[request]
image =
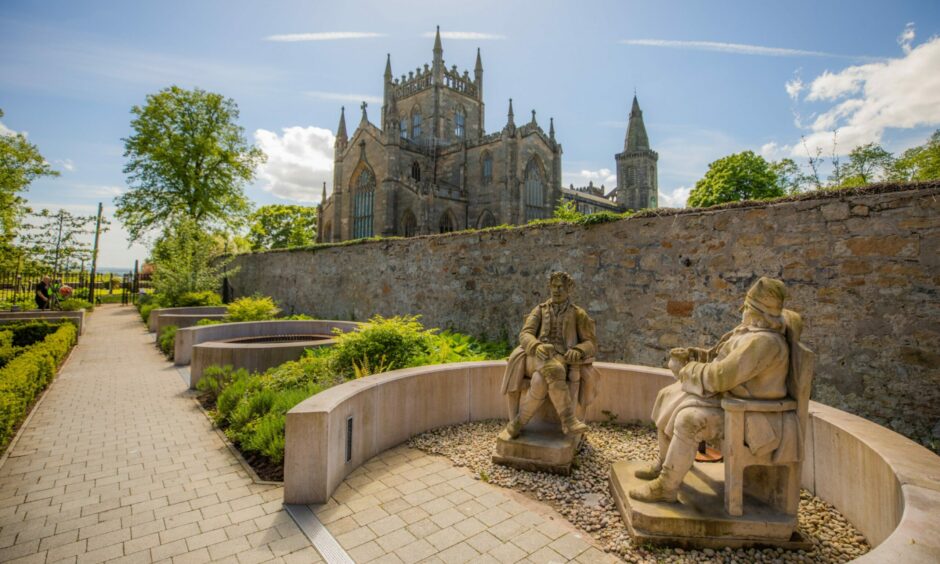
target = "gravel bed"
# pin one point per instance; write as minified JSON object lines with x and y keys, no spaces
{"x":584,"y":497}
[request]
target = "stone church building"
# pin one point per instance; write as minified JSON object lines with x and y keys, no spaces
{"x":430,"y":166}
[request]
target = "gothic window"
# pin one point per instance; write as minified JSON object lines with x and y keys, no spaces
{"x":328,"y":232}
{"x":362,"y":204}
{"x":416,"y":171}
{"x":459,"y":123}
{"x":447,"y":222}
{"x":534,"y":191}
{"x":403,"y":125}
{"x":631,"y":176}
{"x":486,"y":220}
{"x":415,"y":124}
{"x":487,"y":173}
{"x":409,"y":225}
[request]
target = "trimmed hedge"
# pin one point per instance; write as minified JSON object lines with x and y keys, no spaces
{"x":24,"y":377}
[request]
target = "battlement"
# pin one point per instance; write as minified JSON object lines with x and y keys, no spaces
{"x":423,"y":78}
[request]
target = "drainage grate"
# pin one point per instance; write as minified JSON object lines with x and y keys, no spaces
{"x":349,"y":437}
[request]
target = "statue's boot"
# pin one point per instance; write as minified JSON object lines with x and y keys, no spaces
{"x":677,"y":463}
{"x":570,"y":425}
{"x":527,"y":408}
{"x":651,"y":471}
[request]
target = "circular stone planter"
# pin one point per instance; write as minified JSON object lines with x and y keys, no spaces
{"x":254,"y":354}
{"x":885,"y":484}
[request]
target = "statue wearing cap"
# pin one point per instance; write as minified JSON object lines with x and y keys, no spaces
{"x":750,"y":362}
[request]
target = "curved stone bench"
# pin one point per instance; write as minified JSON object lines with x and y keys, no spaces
{"x":186,"y":315}
{"x":885,"y":484}
{"x":187,"y":338}
{"x":76,"y":317}
{"x":253,"y":357}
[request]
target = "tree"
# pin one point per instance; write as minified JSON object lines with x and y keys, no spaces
{"x":188,"y":159}
{"x":186,"y":259}
{"x":20,"y":164}
{"x":867,"y":164}
{"x":741,"y":176}
{"x":789,"y":177}
{"x":919,"y":163}
{"x":282,"y":226}
{"x":58,"y":240}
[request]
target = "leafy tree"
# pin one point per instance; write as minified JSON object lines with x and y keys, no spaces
{"x":282,"y":226}
{"x":58,"y":240}
{"x":789,"y":176}
{"x":741,"y":176}
{"x":187,"y":158}
{"x":20,"y":164}
{"x":186,"y":259}
{"x":867,"y":164}
{"x":919,"y":163}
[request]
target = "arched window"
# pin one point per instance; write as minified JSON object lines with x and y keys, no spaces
{"x":486,"y":220}
{"x":416,"y":171}
{"x":534,"y":191}
{"x":364,"y":187}
{"x":415,"y":124}
{"x":487,"y":173}
{"x":460,"y":119}
{"x":408,"y":225}
{"x":403,"y":125}
{"x":447,"y":223}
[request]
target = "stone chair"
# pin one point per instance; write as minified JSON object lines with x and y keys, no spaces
{"x":775,"y":484}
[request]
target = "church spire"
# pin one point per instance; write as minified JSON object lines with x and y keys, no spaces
{"x":341,"y":137}
{"x":551,"y":128}
{"x":636,"y":139}
{"x":323,"y":196}
{"x":388,"y":67}
{"x":478,"y":75}
{"x":510,"y":120}
{"x":438,"y":63}
{"x":438,"y":49}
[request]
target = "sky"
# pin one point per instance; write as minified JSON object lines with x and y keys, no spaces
{"x":712,"y":78}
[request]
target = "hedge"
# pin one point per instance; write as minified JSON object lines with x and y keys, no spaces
{"x":24,"y":377}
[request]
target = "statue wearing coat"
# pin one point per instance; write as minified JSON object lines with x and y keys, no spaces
{"x":555,"y":355}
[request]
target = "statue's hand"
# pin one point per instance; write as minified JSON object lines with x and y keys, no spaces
{"x":675,"y":365}
{"x":543,"y":352}
{"x":680,"y":354}
{"x":573,"y":356}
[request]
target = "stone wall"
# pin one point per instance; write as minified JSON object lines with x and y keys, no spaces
{"x":862,"y":267}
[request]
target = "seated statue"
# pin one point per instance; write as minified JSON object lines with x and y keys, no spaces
{"x":555,"y":355}
{"x":750,"y":362}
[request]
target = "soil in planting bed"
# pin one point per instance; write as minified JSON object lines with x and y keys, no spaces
{"x":278,"y":339}
{"x":584,"y":497}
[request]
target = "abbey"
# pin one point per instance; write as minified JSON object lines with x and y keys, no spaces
{"x":432,"y":168}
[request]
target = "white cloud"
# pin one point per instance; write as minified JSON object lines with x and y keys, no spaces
{"x":99,"y":191}
{"x":299,"y":162}
{"x":867,"y":99}
{"x":603,"y":176}
{"x":674,"y":199}
{"x":323,"y":36}
{"x":906,"y":39}
{"x":772,"y":151}
{"x":67,"y":164}
{"x":735,"y":48}
{"x":345,"y":97}
{"x":465,"y":35}
{"x":794,"y":87}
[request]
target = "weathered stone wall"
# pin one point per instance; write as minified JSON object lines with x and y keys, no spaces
{"x":863,"y":269}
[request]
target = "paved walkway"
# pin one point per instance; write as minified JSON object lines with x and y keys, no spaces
{"x":118,"y":464}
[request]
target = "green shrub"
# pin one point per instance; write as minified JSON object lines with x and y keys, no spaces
{"x":216,"y":378}
{"x":167,"y":340}
{"x":108,"y":298}
{"x":74,"y":304}
{"x":145,"y":310}
{"x":7,"y":350}
{"x":386,"y":343}
{"x":25,"y":376}
{"x":256,"y":308}
{"x":31,"y":332}
{"x":298,"y":317}
{"x":204,"y":322}
{"x":194,"y":299}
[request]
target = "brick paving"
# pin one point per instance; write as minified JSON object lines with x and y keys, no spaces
{"x":408,"y":506}
{"x":118,"y":464}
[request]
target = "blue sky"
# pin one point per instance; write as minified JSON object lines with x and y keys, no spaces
{"x":712,"y":79}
